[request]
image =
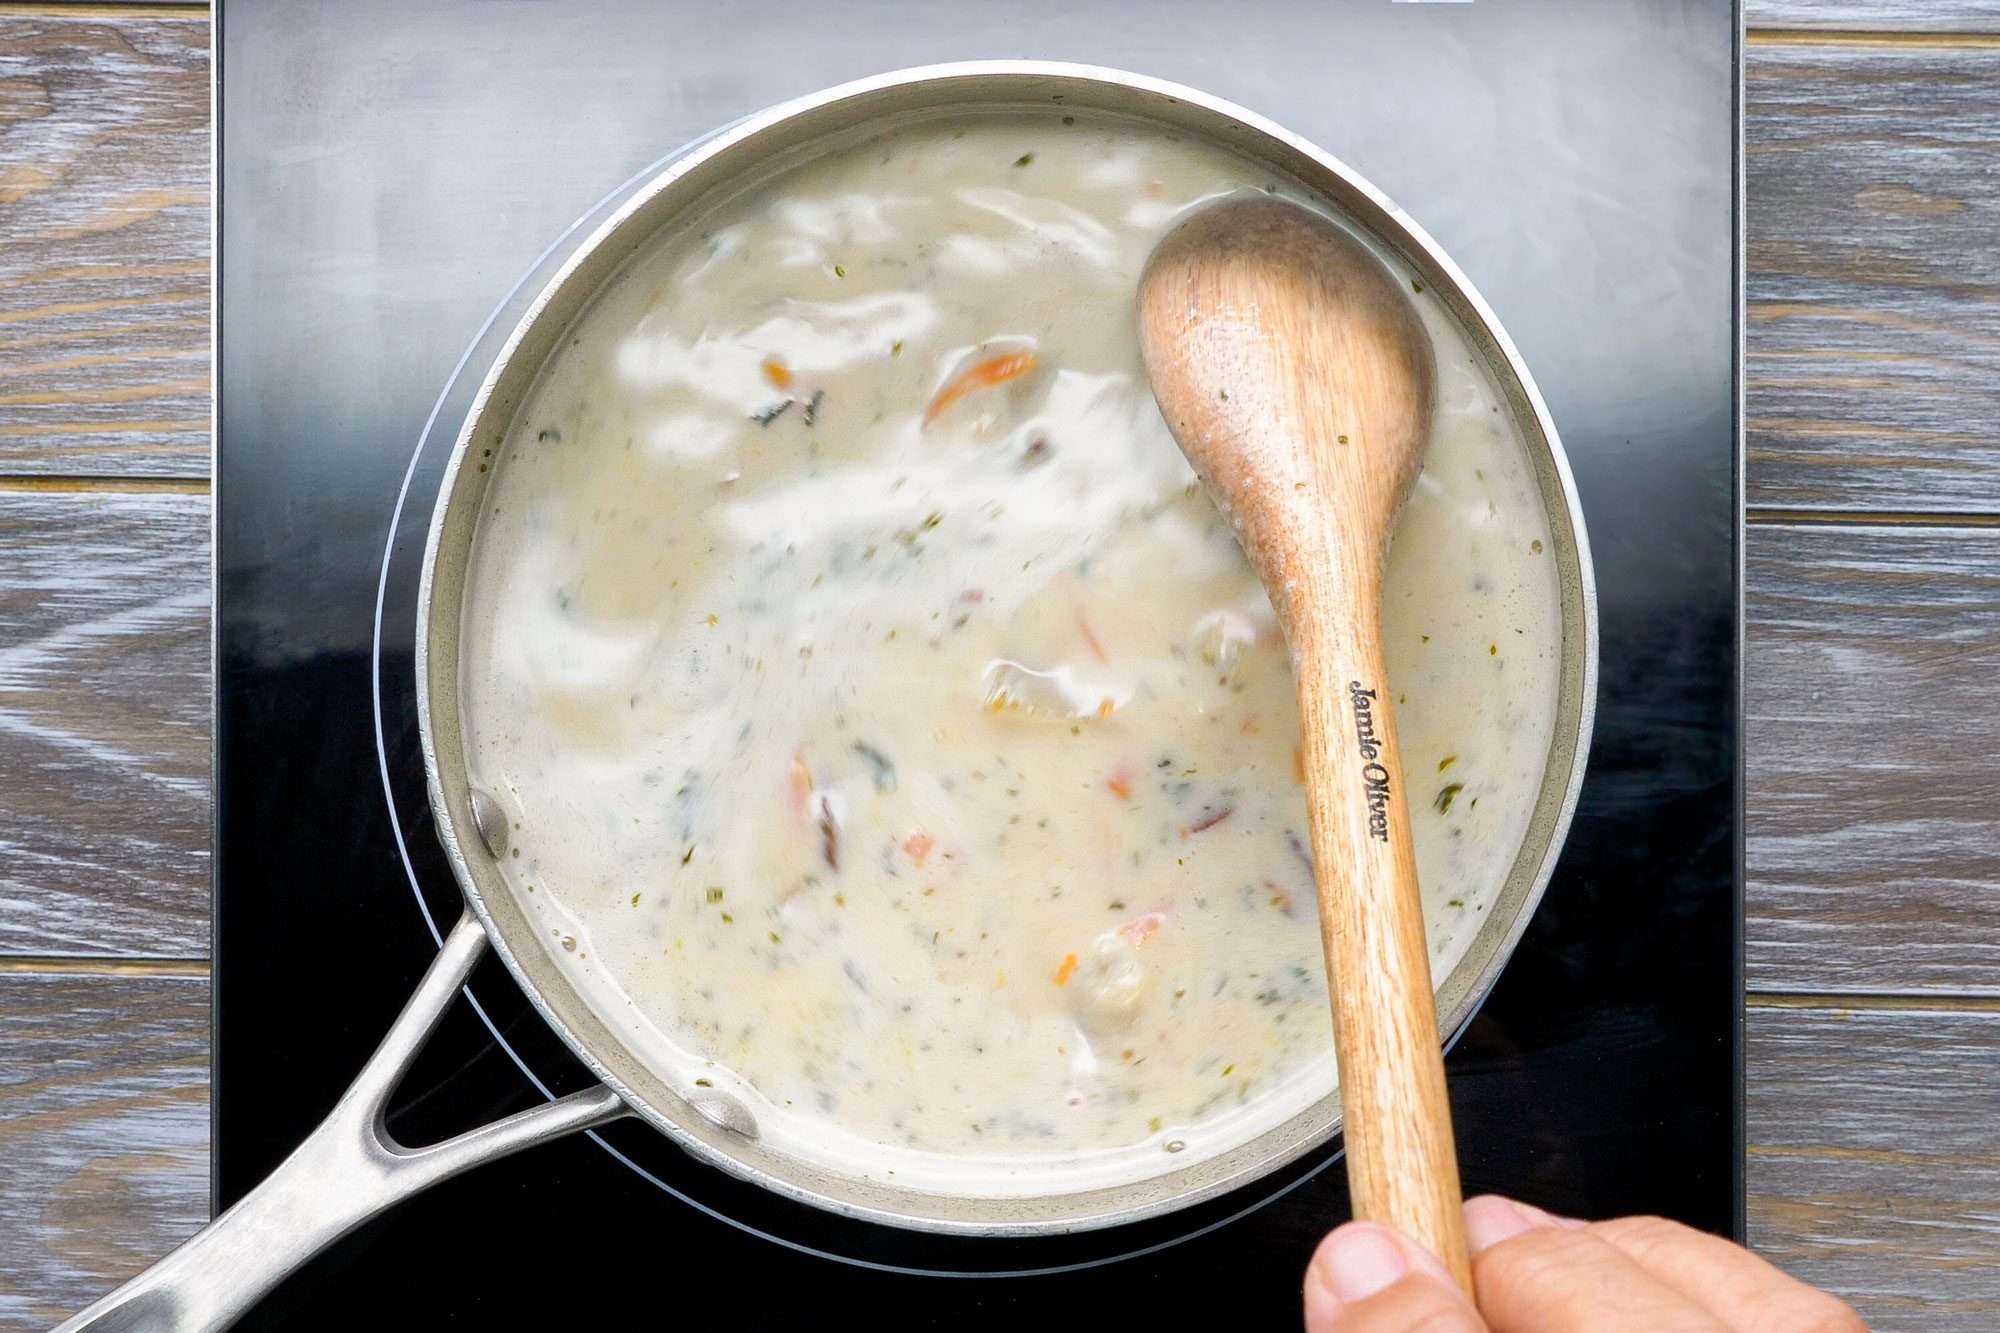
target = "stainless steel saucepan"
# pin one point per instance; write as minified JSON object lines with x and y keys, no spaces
{"x":350,"y":1168}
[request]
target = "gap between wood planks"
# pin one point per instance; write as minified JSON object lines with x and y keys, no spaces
{"x":1968,"y":41}
{"x":164,"y":9}
{"x":1875,"y":1001}
{"x":70,"y":966}
{"x":84,"y":485}
{"x":1764,"y":517}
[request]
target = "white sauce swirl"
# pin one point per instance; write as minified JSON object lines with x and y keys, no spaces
{"x":895,"y":735}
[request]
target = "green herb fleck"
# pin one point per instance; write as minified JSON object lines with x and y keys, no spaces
{"x":635,"y":900}
{"x":703,"y":1083}
{"x":1227,"y":1070}
{"x":715,"y":895}
{"x":1024,"y":159}
{"x":1416,"y":286}
{"x":1493,"y":650}
{"x":1117,"y":904}
{"x":1444,"y":798}
{"x":1454,"y":902}
{"x":1535,"y":546}
{"x":774,"y":938}
{"x":728,"y":920}
{"x":687,"y":856}
{"x":1447,"y":762}
{"x":839,"y":270}
{"x":896,"y":347}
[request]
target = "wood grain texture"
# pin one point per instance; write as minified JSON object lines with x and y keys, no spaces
{"x":104,"y":1133}
{"x":104,"y":243}
{"x":1873,"y":373}
{"x":104,"y":724}
{"x":1872,"y":712}
{"x":1875,"y":15}
{"x":1874,"y":1163}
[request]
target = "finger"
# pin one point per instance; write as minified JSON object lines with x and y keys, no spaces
{"x":1490,"y":1219}
{"x":1368,"y":1278}
{"x":1727,"y":1280}
{"x":1532,"y":1273}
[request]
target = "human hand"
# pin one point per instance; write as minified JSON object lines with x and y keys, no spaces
{"x":1537,"y":1273}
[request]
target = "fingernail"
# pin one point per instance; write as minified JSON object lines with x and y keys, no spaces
{"x":1490,"y":1219}
{"x":1357,"y":1261}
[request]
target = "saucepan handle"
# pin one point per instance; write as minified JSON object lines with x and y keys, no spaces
{"x":347,"y":1171}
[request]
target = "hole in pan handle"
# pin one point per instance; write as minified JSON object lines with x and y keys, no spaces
{"x":347,"y":1170}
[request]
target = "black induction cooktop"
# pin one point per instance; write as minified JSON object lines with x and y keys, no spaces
{"x":389,"y":172}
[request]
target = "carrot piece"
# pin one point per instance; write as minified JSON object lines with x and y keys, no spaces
{"x":1120,"y":780}
{"x":774,"y":371}
{"x":918,"y":846}
{"x":1067,"y":969}
{"x":800,"y":785}
{"x":1142,"y":928}
{"x":1091,"y":640}
{"x":987,"y":374}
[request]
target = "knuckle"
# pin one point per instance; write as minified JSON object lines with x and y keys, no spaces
{"x":1644,"y":1234}
{"x":1641,"y":1226}
{"x":1536,"y":1263}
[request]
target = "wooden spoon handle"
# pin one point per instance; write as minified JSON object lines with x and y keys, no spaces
{"x":1402,"y":1167}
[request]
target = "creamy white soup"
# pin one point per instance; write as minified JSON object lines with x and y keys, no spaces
{"x":892,"y":733}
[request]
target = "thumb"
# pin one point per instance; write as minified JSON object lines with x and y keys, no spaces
{"x":1369,"y":1278}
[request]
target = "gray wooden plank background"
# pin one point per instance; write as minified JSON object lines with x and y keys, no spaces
{"x":1873,"y":286}
{"x":1875,"y":17}
{"x":1873,"y":819}
{"x":104,"y":804}
{"x":1873,"y":1164}
{"x":104,"y":269}
{"x":1871,"y":699}
{"x":104,"y":1130}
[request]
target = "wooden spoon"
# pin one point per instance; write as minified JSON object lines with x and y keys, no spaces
{"x":1298,"y":379}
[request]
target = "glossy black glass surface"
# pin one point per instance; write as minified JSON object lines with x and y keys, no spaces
{"x":388,"y":171}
